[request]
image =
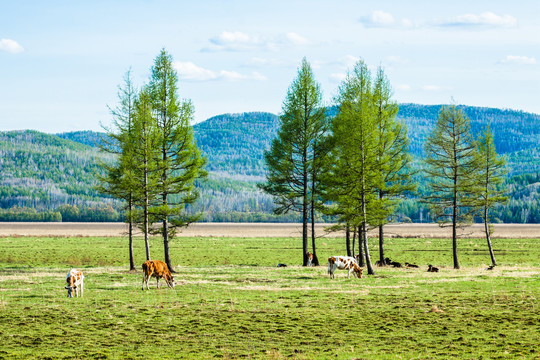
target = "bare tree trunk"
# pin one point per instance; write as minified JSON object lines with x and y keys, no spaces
{"x":348,"y":239}
{"x":360,"y":244}
{"x":315,"y":261}
{"x":366,"y":250}
{"x":130,"y":233}
{"x":354,"y":241}
{"x":305,"y":210}
{"x":146,"y":204}
{"x":454,"y":226}
{"x":381,"y":244}
{"x":488,"y":238}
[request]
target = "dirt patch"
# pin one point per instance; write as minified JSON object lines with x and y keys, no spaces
{"x":219,"y":230}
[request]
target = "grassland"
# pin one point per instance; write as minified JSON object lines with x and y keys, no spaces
{"x":232,"y":302}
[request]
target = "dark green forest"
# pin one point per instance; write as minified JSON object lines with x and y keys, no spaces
{"x":51,"y":177}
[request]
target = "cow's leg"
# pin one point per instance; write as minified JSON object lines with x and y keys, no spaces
{"x":157,"y":281}
{"x":82,"y":289}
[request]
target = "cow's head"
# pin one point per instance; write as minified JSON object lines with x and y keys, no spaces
{"x":358,"y":271}
{"x":170,"y":281}
{"x":70,"y":289}
{"x":309,"y":258}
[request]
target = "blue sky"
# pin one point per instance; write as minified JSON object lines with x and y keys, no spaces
{"x":61,"y":61}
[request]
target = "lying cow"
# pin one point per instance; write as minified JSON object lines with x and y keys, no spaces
{"x":411,"y":266}
{"x":309,"y":259}
{"x":157,"y":269}
{"x":432,"y":268}
{"x":344,"y":263}
{"x":74,"y":283}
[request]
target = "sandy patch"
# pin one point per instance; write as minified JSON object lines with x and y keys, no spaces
{"x":219,"y":230}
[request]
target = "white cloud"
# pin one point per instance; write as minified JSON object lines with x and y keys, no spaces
{"x":381,"y":19}
{"x":10,"y":46}
{"x":519,"y":60}
{"x":486,"y":19}
{"x":296,"y":39}
{"x":234,"y":41}
{"x":190,"y":72}
{"x":240,"y":41}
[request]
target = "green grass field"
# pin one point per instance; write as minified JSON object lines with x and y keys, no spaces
{"x":231,"y":301}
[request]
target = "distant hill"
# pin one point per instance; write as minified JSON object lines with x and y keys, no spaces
{"x":42,"y":171}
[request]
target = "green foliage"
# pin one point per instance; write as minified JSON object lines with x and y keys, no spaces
{"x":451,"y":167}
{"x":297,"y":155}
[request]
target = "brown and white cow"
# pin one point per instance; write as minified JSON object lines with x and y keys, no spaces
{"x":74,"y":283}
{"x":344,"y":263}
{"x":157,"y":269}
{"x":309,"y":259}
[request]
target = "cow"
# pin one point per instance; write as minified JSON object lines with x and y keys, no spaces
{"x":309,"y":259}
{"x":344,"y":263}
{"x":157,"y":269}
{"x":432,"y":268}
{"x":74,"y":283}
{"x":411,"y":265}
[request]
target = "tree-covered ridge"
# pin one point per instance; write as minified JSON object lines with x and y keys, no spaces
{"x":44,"y":171}
{"x":513,"y":130}
{"x":235,"y":143}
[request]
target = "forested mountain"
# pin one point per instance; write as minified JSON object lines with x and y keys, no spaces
{"x":52,"y":176}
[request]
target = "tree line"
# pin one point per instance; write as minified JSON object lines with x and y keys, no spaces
{"x":355,"y":164}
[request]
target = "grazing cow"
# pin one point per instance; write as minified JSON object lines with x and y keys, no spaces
{"x":411,"y":266}
{"x":157,"y":269}
{"x":432,"y":268}
{"x":309,"y":259}
{"x":344,"y":263}
{"x":74,"y":283}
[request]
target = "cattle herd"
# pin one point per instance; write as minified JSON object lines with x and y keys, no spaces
{"x":159,"y":270}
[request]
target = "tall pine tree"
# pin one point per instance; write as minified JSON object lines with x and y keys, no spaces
{"x":490,"y":175}
{"x":354,"y":172}
{"x":292,"y":159}
{"x":393,"y":156}
{"x":181,"y":162}
{"x":451,"y":167}
{"x":117,"y":180}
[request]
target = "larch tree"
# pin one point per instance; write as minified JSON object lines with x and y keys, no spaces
{"x":393,"y":158}
{"x":291,"y":160}
{"x":143,"y":147}
{"x":117,"y":180}
{"x":355,"y":155}
{"x":490,"y":175}
{"x":180,"y":163}
{"x":451,"y":168}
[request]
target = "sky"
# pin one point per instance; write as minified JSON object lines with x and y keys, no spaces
{"x":61,"y":61}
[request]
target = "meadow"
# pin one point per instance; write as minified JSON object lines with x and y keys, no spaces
{"x":231,"y":301}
